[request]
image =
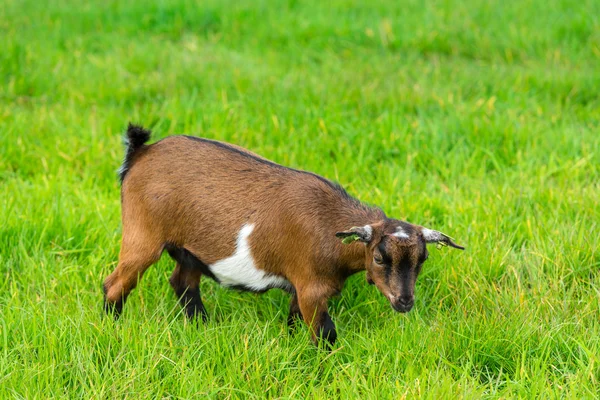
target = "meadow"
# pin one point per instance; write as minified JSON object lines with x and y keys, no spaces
{"x":477,"y":118}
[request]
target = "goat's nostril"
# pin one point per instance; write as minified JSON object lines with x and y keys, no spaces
{"x":405,"y":300}
{"x":402,"y":303}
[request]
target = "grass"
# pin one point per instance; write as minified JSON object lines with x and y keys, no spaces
{"x":478,"y":118}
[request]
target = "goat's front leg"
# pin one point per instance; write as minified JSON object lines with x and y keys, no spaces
{"x":313,"y":306}
{"x":294,"y":312}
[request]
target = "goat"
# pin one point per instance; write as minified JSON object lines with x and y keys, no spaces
{"x":251,"y":224}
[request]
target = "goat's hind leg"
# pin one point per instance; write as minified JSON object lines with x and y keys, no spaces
{"x":134,"y":260}
{"x":185,"y":281}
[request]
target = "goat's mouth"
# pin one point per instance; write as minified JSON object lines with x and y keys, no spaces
{"x":402,"y":306}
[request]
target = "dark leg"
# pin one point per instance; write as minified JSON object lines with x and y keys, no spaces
{"x":295,"y":313}
{"x":327,"y":329}
{"x":185,"y":281}
{"x":313,"y":305}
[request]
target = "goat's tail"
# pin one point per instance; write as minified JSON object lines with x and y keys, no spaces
{"x":135,"y":138}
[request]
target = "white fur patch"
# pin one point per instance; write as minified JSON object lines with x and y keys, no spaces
{"x":369,"y":232}
{"x":430,"y":235}
{"x":400,"y":233}
{"x":124,"y":166}
{"x":240,"y":270}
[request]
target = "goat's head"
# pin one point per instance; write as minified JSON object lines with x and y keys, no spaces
{"x":395,"y":253}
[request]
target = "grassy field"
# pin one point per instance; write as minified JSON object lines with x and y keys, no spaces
{"x":478,"y":118}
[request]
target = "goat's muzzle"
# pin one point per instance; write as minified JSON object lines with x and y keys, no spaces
{"x":402,"y":304}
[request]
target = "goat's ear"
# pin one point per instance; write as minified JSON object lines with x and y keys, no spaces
{"x":432,"y":236}
{"x":362,"y":233}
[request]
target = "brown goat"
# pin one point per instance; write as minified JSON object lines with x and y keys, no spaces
{"x":248,"y":223}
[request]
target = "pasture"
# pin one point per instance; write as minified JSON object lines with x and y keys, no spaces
{"x":477,"y":118}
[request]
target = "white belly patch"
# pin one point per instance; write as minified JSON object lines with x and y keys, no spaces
{"x":240,"y":270}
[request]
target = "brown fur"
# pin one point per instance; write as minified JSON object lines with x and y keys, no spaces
{"x":196,"y":194}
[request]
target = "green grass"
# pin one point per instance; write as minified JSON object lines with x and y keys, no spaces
{"x":478,"y":118}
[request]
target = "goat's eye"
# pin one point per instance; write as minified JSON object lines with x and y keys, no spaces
{"x":378,"y":260}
